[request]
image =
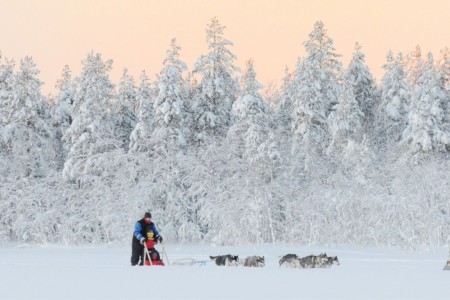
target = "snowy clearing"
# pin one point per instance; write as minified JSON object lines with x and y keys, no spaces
{"x":54,"y":272}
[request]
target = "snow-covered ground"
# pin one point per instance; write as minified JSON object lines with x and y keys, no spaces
{"x":104,"y":273}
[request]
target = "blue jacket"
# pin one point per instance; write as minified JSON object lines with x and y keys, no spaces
{"x":138,"y":230}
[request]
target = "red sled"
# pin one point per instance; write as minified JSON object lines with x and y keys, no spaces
{"x":154,"y":263}
{"x":151,"y":252}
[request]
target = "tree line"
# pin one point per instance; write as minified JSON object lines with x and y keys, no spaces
{"x":331,"y":157}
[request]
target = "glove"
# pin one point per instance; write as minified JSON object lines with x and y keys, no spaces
{"x":143,"y":241}
{"x":159,"y":239}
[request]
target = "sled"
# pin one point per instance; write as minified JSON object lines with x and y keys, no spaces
{"x":151,"y":259}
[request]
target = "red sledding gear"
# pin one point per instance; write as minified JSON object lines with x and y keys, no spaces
{"x":156,"y":260}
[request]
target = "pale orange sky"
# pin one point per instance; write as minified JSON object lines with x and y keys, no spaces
{"x":136,"y":33}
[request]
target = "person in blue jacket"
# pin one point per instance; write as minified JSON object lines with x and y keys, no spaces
{"x":143,"y":230}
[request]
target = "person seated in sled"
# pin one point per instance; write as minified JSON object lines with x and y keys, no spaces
{"x":145,"y":233}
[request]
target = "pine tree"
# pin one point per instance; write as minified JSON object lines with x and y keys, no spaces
{"x":6,"y":95}
{"x":6,"y":89}
{"x":414,"y":67}
{"x":62,"y":112}
{"x":168,"y":146}
{"x":192,"y":94}
{"x":426,"y":129}
{"x":284,"y":105}
{"x":66,"y":98}
{"x":254,"y":155}
{"x":170,"y":131}
{"x":126,"y":109}
{"x":251,"y":130}
{"x":394,"y":105}
{"x":316,"y":91}
{"x":364,"y":87}
{"x":347,"y":119}
{"x":218,"y":87}
{"x":92,"y":130}
{"x":28,"y":133}
{"x":140,"y":136}
{"x":444,"y":64}
{"x":444,"y":69}
{"x":283,"y":112}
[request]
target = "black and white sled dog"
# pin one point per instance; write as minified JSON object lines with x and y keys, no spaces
{"x":332,"y":260}
{"x":254,"y":261}
{"x":308,"y":262}
{"x":315,"y":261}
{"x":291,"y":261}
{"x":226,"y":260}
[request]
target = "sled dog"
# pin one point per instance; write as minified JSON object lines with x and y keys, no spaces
{"x":254,"y":261}
{"x":226,"y":260}
{"x":308,"y":262}
{"x":291,"y":261}
{"x":332,"y":260}
{"x":315,"y":261}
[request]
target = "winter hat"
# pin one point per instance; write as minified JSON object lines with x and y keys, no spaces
{"x":147,"y":214}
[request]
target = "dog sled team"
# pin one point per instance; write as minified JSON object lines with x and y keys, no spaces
{"x":146,"y":236}
{"x":308,"y":262}
{"x":233,"y":260}
{"x":286,"y":261}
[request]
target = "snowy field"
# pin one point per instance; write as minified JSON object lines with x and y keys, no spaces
{"x":104,"y":273}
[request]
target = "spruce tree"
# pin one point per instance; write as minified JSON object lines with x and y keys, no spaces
{"x":444,"y":64}
{"x":284,"y":105}
{"x":6,"y":88}
{"x":426,"y":131}
{"x":316,"y":91}
{"x":65,"y":99}
{"x":91,"y":133}
{"x":392,"y":113}
{"x":347,"y":119}
{"x":218,"y":86}
{"x":251,"y":129}
{"x":28,"y":133}
{"x":140,"y":136}
{"x":444,"y":69}
{"x":170,"y":132}
{"x":414,"y":67}
{"x":255,"y":154}
{"x":359,"y":76}
{"x":62,"y":112}
{"x":126,"y":109}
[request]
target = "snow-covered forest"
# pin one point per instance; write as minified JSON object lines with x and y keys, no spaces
{"x":332,"y":157}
